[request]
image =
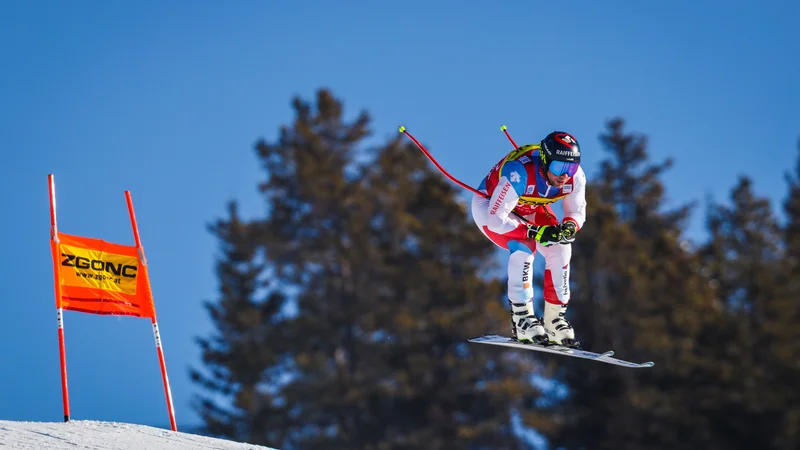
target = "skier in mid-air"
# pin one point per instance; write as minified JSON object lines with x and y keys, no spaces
{"x":524,"y":184}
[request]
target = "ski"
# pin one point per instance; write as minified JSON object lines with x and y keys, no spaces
{"x":493,"y":339}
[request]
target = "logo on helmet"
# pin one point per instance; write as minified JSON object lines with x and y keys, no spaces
{"x":565,"y":139}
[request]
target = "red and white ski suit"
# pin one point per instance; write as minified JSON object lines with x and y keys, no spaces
{"x":517,"y":183}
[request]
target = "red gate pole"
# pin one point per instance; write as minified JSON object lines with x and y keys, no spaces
{"x":57,"y":281}
{"x":156,"y":334}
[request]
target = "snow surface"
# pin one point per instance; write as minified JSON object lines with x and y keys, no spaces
{"x":88,"y":434}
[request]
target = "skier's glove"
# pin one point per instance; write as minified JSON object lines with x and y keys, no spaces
{"x":545,"y":234}
{"x":568,"y":230}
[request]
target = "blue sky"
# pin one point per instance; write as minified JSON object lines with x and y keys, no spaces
{"x":166,"y":99}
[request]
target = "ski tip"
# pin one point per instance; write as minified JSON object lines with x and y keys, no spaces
{"x":608,"y":353}
{"x":402,"y":129}
{"x":503,"y":128}
{"x":648,"y":364}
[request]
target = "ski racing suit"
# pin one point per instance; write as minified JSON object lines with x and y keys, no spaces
{"x":518,"y":184}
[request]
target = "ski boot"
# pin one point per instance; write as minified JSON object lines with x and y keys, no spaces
{"x":525,"y":326}
{"x":559,"y":331}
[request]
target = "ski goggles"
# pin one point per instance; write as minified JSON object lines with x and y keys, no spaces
{"x":561,"y":167}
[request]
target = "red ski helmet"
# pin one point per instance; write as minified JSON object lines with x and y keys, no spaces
{"x":560,"y":153}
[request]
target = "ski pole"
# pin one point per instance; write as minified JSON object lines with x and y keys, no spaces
{"x":454,"y":179}
{"x":441,"y":169}
{"x":505,"y":130}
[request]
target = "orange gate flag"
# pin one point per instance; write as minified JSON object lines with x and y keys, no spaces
{"x":100,"y":277}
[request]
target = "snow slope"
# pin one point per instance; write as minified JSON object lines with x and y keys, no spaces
{"x":87,"y":434}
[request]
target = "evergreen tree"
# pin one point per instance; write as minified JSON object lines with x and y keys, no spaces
{"x":375,"y":280}
{"x":637,"y":291}
{"x":743,"y":258}
{"x":753,"y":263}
{"x":720,"y":322}
{"x":247,"y":316}
{"x":783,"y":316}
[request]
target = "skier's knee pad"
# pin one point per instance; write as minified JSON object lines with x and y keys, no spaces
{"x":557,"y":254}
